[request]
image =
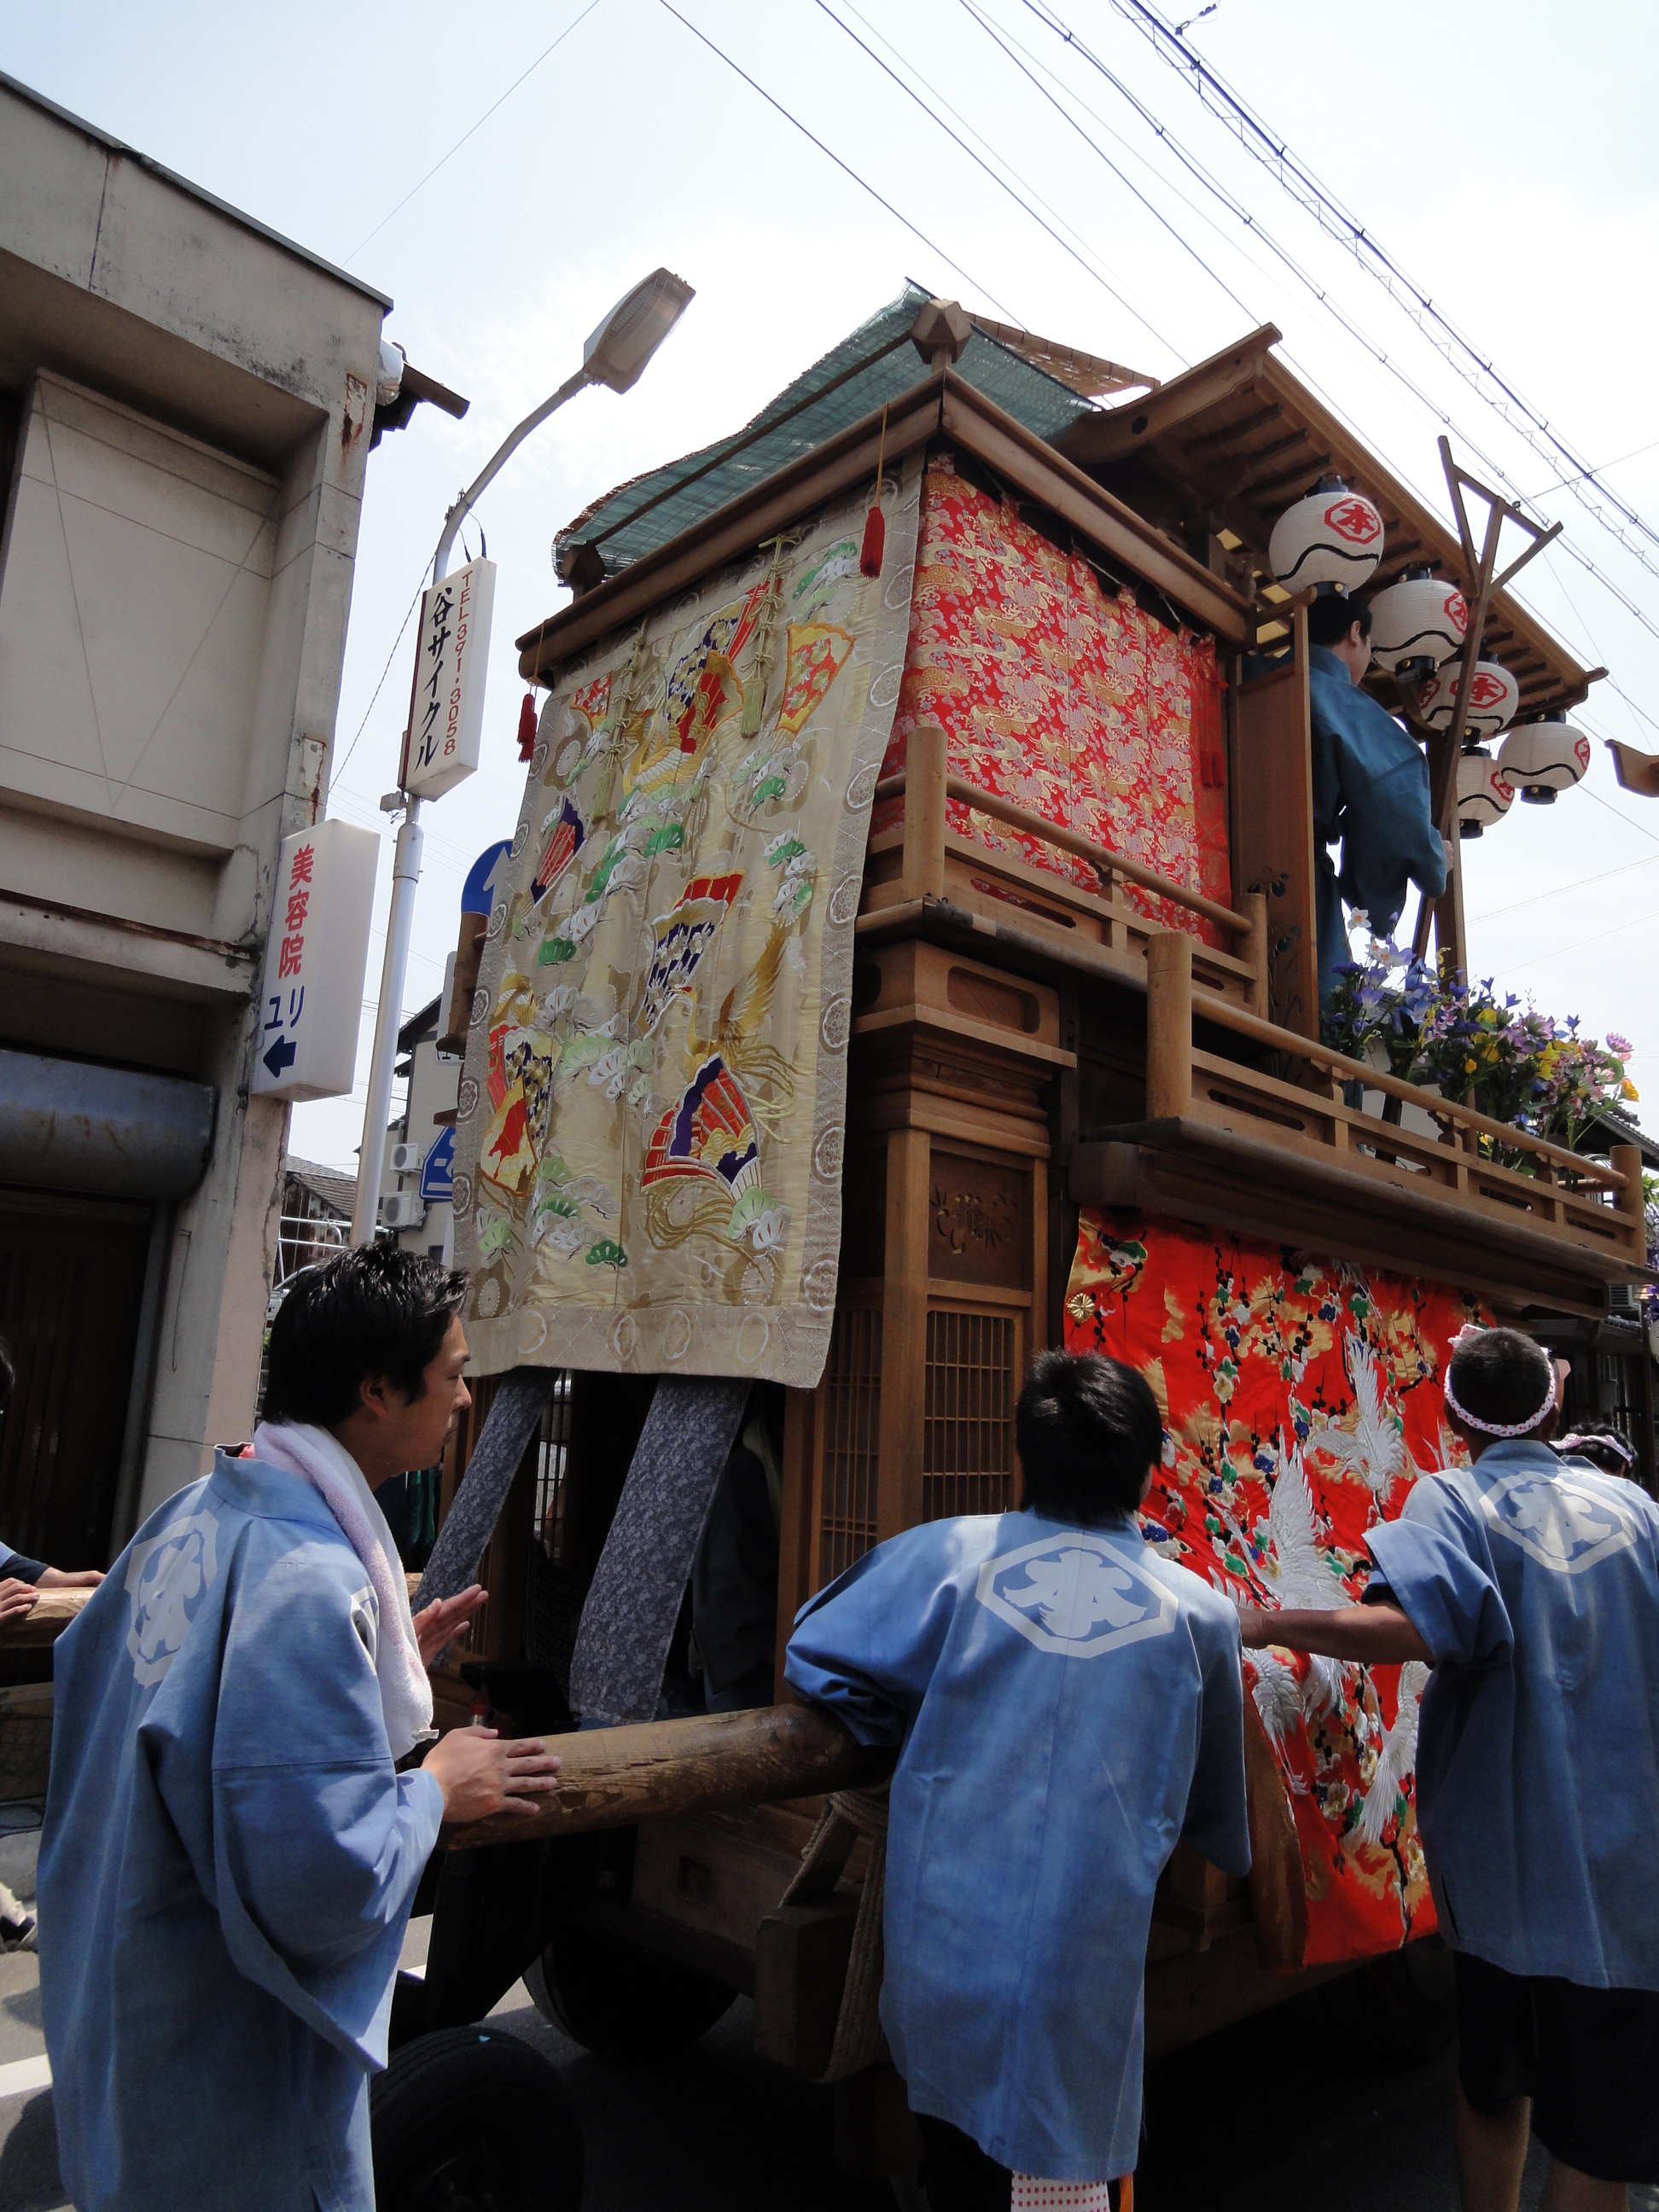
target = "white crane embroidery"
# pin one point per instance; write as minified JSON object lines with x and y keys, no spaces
{"x":1397,"y":1758}
{"x":1375,"y":1447}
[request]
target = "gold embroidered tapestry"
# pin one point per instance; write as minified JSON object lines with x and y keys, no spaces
{"x":649,"y":1133}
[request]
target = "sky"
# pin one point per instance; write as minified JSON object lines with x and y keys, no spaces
{"x":1497,"y":153}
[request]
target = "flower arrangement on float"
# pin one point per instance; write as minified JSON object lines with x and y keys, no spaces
{"x":1498,"y":1054}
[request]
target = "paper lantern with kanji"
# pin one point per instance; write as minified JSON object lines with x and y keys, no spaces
{"x":1485,"y":795}
{"x":1493,"y":697}
{"x":1543,"y":758}
{"x":1418,"y":623}
{"x":1334,"y":536}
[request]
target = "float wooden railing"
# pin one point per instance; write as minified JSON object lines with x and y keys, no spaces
{"x":931,"y":852}
{"x":1565,"y":1190}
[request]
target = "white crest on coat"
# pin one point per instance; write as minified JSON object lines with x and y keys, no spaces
{"x":1078,"y":1596}
{"x":167,"y":1578}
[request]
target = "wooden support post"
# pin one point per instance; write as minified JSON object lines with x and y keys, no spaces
{"x":1169,"y":1026}
{"x":903,"y":1333}
{"x":1626,"y":1160}
{"x":924,"y":772}
{"x":1257,"y":991}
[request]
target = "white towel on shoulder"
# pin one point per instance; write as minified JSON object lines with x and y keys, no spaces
{"x":405,"y":1692}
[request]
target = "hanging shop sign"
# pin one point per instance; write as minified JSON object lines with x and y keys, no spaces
{"x":310,"y":1006}
{"x":452,"y":660}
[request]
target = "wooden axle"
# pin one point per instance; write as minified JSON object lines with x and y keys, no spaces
{"x":612,"y":1777}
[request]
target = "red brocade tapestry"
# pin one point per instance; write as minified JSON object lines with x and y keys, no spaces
{"x":1061,"y":694}
{"x":1302,"y":1397}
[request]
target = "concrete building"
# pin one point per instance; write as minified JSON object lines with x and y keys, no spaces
{"x":186,"y":406}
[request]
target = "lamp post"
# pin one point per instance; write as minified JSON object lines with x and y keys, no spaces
{"x":614,"y":355}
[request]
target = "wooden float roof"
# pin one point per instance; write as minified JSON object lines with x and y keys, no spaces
{"x":943,"y":405}
{"x":1233,"y":442}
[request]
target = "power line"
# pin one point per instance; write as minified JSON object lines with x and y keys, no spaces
{"x":778,"y":106}
{"x":338,"y":767}
{"x":1560,"y":890}
{"x":1299,"y":182}
{"x":1243,"y":216}
{"x":1157,"y":214}
{"x":478,"y":126}
{"x":1001,"y":182}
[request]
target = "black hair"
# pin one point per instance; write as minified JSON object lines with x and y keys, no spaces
{"x":8,"y":1373}
{"x":372,"y":1311}
{"x":1584,"y":1441}
{"x":1333,"y":615}
{"x":1088,"y":1428}
{"x":1501,"y":1377}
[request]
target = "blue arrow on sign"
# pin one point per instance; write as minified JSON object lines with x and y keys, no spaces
{"x":282,"y":1055}
{"x":438,"y":1175}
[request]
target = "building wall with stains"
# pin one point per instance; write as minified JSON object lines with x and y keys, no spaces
{"x":185,"y":404}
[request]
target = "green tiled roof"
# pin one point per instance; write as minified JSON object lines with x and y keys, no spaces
{"x":875,"y":364}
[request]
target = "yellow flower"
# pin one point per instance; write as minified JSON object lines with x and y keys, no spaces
{"x":1628,"y":1090}
{"x":1468,"y":1067}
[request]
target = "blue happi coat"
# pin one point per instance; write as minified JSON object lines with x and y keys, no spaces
{"x":228,"y":1863}
{"x":1535,"y":1584}
{"x":1068,"y":1704}
{"x":1371,"y":788}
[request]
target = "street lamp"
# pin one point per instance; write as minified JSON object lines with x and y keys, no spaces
{"x":614,"y":355}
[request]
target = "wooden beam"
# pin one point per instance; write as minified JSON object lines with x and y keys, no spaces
{"x":613,"y":1778}
{"x":732,"y":530}
{"x":1110,"y":435}
{"x":1212,"y":441}
{"x":1023,"y":459}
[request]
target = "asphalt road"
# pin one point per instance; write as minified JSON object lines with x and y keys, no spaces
{"x":1278,"y":2112}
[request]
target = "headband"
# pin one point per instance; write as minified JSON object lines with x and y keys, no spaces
{"x":1496,"y":1428}
{"x":1616,"y":1445}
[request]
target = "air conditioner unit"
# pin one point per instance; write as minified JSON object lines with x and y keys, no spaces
{"x":404,"y":1209}
{"x":407,"y":1159}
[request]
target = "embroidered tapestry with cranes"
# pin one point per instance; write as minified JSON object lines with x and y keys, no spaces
{"x":1302,"y":1397}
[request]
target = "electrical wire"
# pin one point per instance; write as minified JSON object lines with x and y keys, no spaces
{"x":1560,"y":890}
{"x":1243,"y":215}
{"x":476,"y":127}
{"x":1300,"y":184}
{"x":1002,"y":183}
{"x":337,"y":769}
{"x":1187,"y":246}
{"x":845,"y":167}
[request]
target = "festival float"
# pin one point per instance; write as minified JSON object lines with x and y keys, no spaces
{"x":904,"y":959}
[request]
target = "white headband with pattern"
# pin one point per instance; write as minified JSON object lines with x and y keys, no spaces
{"x":1496,"y":1428}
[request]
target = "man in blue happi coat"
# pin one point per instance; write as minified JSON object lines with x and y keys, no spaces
{"x":1068,"y":1705}
{"x":1531,"y":1587}
{"x":1370,"y":789}
{"x":229,"y":1853}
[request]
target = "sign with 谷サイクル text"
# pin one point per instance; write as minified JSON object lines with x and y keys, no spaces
{"x":310,"y":1006}
{"x":451,"y":658}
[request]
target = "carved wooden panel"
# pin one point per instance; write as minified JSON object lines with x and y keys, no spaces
{"x":979,"y":1227}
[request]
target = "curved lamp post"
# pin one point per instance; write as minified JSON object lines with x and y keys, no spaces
{"x":614,"y":355}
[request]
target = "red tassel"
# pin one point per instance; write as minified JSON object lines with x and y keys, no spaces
{"x":875,"y":542}
{"x":527,"y":727}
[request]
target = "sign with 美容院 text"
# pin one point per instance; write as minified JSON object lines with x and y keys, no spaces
{"x":310,"y":1006}
{"x":451,"y":658}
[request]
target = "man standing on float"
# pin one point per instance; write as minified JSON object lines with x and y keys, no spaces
{"x":1371,"y":788}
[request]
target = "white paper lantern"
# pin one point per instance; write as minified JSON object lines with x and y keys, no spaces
{"x":1334,"y":536}
{"x":1420,"y":618}
{"x":1543,"y":758}
{"x":1485,"y":795}
{"x":1493,"y":697}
